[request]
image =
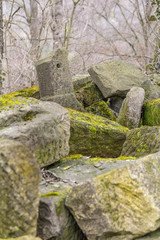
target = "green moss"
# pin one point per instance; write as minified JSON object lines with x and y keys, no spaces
{"x":151,"y":113}
{"x":92,"y":135}
{"x":29,"y":116}
{"x":89,"y":94}
{"x":11,"y":100}
{"x":101,"y":108}
{"x":59,"y":206}
{"x":110,"y":159}
{"x":50,"y":194}
{"x":72,"y":157}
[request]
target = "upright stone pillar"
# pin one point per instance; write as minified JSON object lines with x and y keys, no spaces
{"x":55,"y":81}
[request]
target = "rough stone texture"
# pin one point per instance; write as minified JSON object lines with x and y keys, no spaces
{"x":93,"y":135}
{"x":116,"y":78}
{"x":89,"y":95}
{"x":151,"y":90}
{"x":151,"y":113}
{"x":22,"y":238}
{"x":130,"y":113}
{"x":119,"y":205}
{"x":19,"y":190}
{"x":55,"y":221}
{"x":152,"y":236}
{"x":142,"y":141}
{"x":53,"y":74}
{"x":101,"y":109}
{"x":80,"y":81}
{"x":68,"y":101}
{"x":115,"y":104}
{"x":43,"y":127}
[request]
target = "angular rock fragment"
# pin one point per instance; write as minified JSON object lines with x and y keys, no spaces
{"x":95,"y":136}
{"x":121,"y":204}
{"x":130,"y":113}
{"x":116,"y":78}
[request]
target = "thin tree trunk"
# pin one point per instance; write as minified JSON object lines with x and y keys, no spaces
{"x":1,"y":42}
{"x":57,"y":23}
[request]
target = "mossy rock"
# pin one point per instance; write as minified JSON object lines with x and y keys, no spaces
{"x":120,"y":204}
{"x":22,"y":238}
{"x":151,"y":113}
{"x":81,"y":80}
{"x":101,"y":109}
{"x":142,"y":141}
{"x":93,"y":135}
{"x":89,"y":94}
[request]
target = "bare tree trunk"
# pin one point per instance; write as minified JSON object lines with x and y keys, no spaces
{"x":57,"y":23}
{"x":1,"y":42}
{"x":34,"y":31}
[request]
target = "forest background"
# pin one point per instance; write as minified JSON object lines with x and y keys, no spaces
{"x":92,"y":30}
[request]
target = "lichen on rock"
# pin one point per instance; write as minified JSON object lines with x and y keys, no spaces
{"x":95,"y":136}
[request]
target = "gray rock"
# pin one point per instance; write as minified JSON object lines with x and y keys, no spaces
{"x":130,"y":113}
{"x":55,"y":221}
{"x":43,"y":127}
{"x":116,"y":78}
{"x":151,"y":90}
{"x":19,"y":190}
{"x":92,"y":135}
{"x":152,"y":236}
{"x":80,"y":81}
{"x":68,"y":101}
{"x":53,"y":74}
{"x":115,"y":103}
{"x":142,"y":141}
{"x":120,"y":205}
{"x":55,"y":79}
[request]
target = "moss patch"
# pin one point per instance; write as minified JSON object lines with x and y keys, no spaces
{"x":101,"y":108}
{"x":93,"y":135}
{"x":22,"y":97}
{"x":50,"y":194}
{"x":151,"y":113}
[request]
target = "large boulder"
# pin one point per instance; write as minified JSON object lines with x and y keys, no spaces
{"x":43,"y":127}
{"x":55,"y":221}
{"x":93,"y":135}
{"x":121,"y":204}
{"x":19,"y":190}
{"x":142,"y":141}
{"x":116,"y":78}
{"x":151,"y":113}
{"x":130,"y":113}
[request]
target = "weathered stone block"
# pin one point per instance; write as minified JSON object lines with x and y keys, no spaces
{"x":116,"y":78}
{"x":53,"y":74}
{"x":44,"y":127}
{"x":130,"y":113}
{"x":93,"y":135}
{"x":121,"y":204}
{"x":19,"y":190}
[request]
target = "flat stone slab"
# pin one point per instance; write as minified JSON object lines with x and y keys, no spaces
{"x":116,"y":78}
